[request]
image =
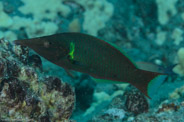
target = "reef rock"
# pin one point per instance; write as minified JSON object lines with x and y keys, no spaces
{"x":27,"y":96}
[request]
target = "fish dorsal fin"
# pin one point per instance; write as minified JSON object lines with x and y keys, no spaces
{"x":118,"y":48}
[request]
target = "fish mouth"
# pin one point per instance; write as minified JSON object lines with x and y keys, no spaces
{"x":17,"y":42}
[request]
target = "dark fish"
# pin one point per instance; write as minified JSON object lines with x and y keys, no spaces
{"x":87,"y":54}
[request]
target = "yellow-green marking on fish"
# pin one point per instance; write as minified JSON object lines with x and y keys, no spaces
{"x":72,"y":49}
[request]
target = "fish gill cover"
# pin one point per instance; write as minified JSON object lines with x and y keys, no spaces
{"x":149,"y":32}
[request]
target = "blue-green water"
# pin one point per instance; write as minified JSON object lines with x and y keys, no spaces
{"x":34,"y":89}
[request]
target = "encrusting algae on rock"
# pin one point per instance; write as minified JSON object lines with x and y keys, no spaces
{"x":24,"y":96}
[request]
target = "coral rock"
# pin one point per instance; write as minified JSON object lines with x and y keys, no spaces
{"x":27,"y":96}
{"x":35,"y":61}
{"x":136,"y":102}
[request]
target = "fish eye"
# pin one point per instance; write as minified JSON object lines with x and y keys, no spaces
{"x":47,"y":44}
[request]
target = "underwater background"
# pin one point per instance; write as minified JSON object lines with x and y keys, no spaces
{"x":33,"y":89}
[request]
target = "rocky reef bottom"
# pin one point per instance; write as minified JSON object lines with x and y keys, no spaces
{"x":26,"y":94}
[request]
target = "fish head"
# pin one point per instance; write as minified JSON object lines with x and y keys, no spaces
{"x":49,"y":49}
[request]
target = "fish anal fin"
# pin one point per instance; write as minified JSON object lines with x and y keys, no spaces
{"x":106,"y":81}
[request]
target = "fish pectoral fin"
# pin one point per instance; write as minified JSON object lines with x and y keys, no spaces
{"x":73,"y":61}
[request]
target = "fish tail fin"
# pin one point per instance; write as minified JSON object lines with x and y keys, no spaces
{"x":147,"y":81}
